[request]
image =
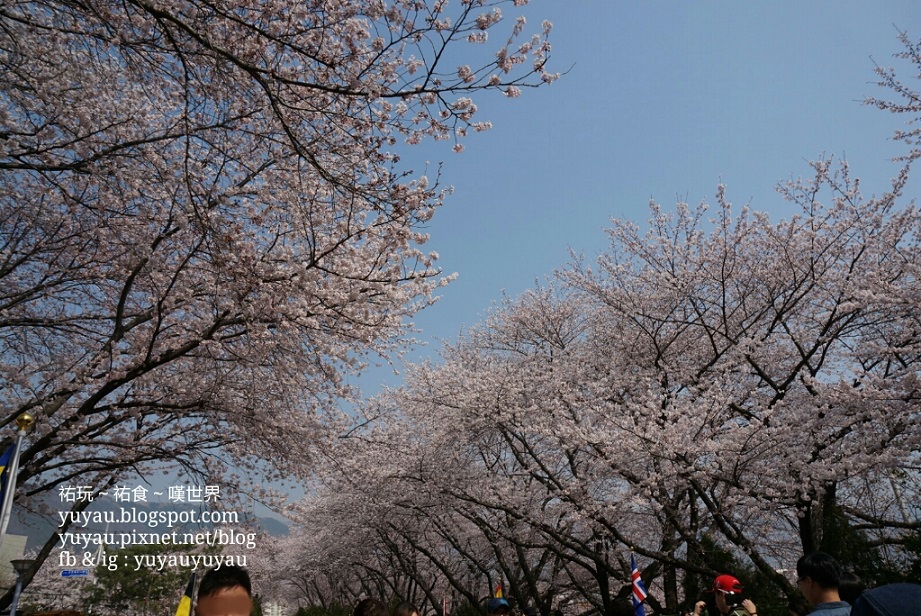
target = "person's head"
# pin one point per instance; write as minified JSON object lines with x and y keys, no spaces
{"x":369,"y":607}
{"x":225,"y":591}
{"x":850,"y":586}
{"x":405,"y":609}
{"x":727,"y":591}
{"x":498,"y":606}
{"x":901,"y":598}
{"x":818,"y":575}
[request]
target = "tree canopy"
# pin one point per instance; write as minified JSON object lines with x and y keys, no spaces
{"x":718,"y":389}
{"x":204,"y":221}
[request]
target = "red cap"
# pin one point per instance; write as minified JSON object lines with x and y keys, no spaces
{"x":727,"y":583}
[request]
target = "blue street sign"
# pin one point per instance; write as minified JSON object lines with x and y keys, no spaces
{"x":75,"y":572}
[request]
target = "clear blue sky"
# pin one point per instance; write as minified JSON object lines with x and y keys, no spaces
{"x":663,"y":100}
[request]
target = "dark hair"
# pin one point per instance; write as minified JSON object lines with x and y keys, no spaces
{"x":850,"y":586}
{"x":821,"y":569}
{"x":369,"y":607}
{"x":227,"y":576}
{"x":404,"y":609}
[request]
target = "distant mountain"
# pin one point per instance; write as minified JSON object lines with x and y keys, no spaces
{"x":273,"y":526}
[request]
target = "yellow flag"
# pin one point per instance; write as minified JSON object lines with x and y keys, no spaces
{"x":185,"y":604}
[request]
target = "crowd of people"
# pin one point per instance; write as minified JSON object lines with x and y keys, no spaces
{"x":828,"y":590}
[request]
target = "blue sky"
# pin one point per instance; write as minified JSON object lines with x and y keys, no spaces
{"x":662,"y":100}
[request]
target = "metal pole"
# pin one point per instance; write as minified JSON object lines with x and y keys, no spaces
{"x":21,"y":565}
{"x":18,"y":590}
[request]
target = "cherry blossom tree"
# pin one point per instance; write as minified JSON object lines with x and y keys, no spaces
{"x":716,"y":383}
{"x":435,"y":494}
{"x":728,"y":381}
{"x":49,"y":591}
{"x":205,"y":223}
{"x":906,"y":99}
{"x":775,"y":371}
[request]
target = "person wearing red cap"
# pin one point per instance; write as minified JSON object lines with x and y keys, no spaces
{"x":728,"y":599}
